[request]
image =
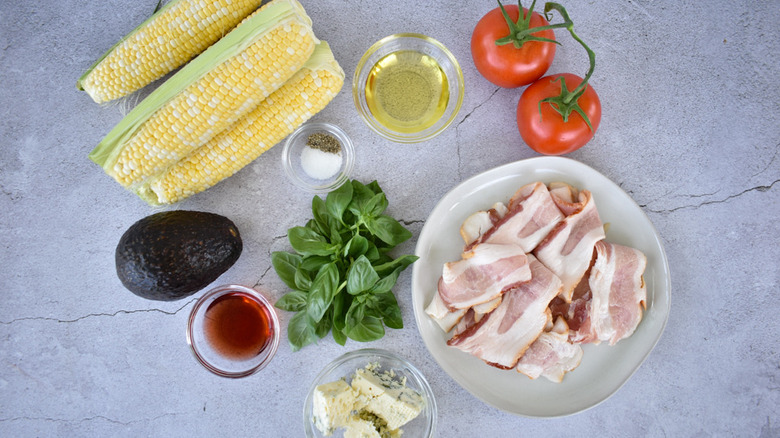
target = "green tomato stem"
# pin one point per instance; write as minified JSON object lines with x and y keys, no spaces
{"x":569,"y":24}
{"x":567,"y":101}
{"x":520,"y":32}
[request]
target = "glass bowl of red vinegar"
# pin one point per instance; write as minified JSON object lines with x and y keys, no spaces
{"x":233,"y":331}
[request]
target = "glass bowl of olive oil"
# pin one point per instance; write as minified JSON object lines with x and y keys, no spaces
{"x":408,"y":87}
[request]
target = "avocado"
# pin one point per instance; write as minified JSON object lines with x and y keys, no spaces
{"x":173,"y":254}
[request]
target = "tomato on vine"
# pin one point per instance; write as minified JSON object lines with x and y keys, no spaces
{"x":560,"y":113}
{"x":511,"y":51}
{"x":548,"y":131}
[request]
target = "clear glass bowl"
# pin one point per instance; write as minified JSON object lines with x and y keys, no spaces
{"x":292,"y":162}
{"x":344,"y":367}
{"x":207,"y":353}
{"x":409,"y":42}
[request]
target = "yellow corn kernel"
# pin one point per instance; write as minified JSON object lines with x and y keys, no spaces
{"x":189,"y":110}
{"x":305,"y":94}
{"x":167,"y":40}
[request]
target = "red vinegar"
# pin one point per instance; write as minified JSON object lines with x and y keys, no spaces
{"x":237,"y":326}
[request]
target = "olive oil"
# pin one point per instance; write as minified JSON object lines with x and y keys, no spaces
{"x":407,"y":91}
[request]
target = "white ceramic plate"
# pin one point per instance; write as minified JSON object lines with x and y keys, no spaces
{"x":604,"y":369}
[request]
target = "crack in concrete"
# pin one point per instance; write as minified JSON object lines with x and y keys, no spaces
{"x":761,"y":188}
{"x":12,"y":195}
{"x":274,"y":240}
{"x":92,"y":315}
{"x":771,"y":160}
{"x":411,"y":222}
{"x":465,"y":117}
{"x":478,"y":106}
{"x":81,"y":420}
{"x":259,"y":282}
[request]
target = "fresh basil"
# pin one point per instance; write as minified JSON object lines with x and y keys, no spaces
{"x":307,"y":241}
{"x":361,"y":276}
{"x":337,"y":201}
{"x":293,"y":301}
{"x":285,"y":265}
{"x":301,"y":331}
{"x":340,"y":271}
{"x":323,"y":289}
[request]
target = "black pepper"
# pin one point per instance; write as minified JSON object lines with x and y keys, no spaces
{"x":324,"y":142}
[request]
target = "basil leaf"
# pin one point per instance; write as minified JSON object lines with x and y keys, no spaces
{"x":376,"y":205}
{"x":387,"y":306}
{"x":341,"y":303}
{"x":373,"y":253}
{"x":285,"y":264}
{"x":314,"y":263}
{"x":361,"y":276}
{"x":338,"y":200}
{"x":401,"y":262}
{"x":315,"y":226}
{"x":308,"y":242}
{"x":323,"y":288}
{"x":323,"y":327}
{"x":356,"y":247}
{"x":293,"y":301}
{"x":368,"y":329}
{"x":335,"y":236}
{"x":386,"y":283}
{"x":300,"y":331}
{"x":325,"y":221}
{"x":374,"y":187}
{"x":302,"y":279}
{"x":387,"y":229}
{"x":339,"y":336}
{"x":355,"y":314}
{"x":361,"y":195}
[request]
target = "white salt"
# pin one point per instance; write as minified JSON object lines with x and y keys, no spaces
{"x":319,"y":164}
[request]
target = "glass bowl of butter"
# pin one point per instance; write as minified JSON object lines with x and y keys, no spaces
{"x":370,"y":393}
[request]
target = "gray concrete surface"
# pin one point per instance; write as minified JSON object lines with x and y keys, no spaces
{"x":690,"y":130}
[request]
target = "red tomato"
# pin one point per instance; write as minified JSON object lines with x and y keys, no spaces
{"x":549,"y":134}
{"x":506,"y":65}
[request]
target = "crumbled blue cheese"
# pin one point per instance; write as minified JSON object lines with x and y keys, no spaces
{"x":356,"y":427}
{"x":376,"y":405}
{"x":388,"y":398}
{"x":333,"y":404}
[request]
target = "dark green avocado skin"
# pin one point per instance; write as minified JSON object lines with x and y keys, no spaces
{"x":173,"y":254}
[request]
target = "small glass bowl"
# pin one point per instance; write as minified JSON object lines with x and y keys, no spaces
{"x":209,"y":356}
{"x":292,"y":163}
{"x":344,"y":367}
{"x":409,"y":42}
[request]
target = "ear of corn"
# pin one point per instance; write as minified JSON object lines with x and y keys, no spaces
{"x":209,"y":94}
{"x":302,"y":96}
{"x":167,"y":40}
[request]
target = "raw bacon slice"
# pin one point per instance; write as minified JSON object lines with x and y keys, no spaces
{"x":608,"y":304}
{"x":484,"y":273}
{"x":444,"y":317}
{"x":568,"y":250}
{"x":551,"y":355}
{"x":448,"y":319}
{"x":475,"y":314}
{"x":530,"y":216}
{"x":618,"y":290}
{"x":480,"y":222}
{"x":577,"y":312}
{"x":468,"y":320}
{"x":502,"y":336}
